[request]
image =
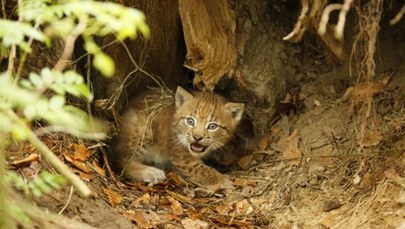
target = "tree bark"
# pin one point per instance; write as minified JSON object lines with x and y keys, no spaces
{"x":209,"y":33}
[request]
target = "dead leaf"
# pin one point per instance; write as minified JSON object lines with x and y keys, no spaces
{"x":248,"y":191}
{"x":144,"y":219}
{"x":170,"y":217}
{"x":79,"y":152}
{"x":393,"y":175}
{"x":243,"y":208}
{"x":182,"y":198}
{"x":207,"y":210}
{"x":245,"y":162}
{"x":175,"y":206}
{"x":176,"y":178}
{"x":26,"y":161}
{"x":244,"y":182}
{"x":289,"y":148}
{"x":31,"y":149}
{"x":139,"y":217}
{"x":326,"y":158}
{"x":78,"y":164}
{"x":189,"y":223}
{"x":225,"y":209}
{"x":365,"y":91}
{"x":147,"y":188}
{"x":257,"y":201}
{"x":367,"y":180}
{"x":371,"y":138}
{"x":114,"y":197}
{"x":155,"y":219}
{"x":85,"y":176}
{"x":98,"y":168}
{"x":31,"y":171}
{"x":238,"y":224}
{"x":263,"y":143}
{"x":143,"y":200}
{"x":330,"y":205}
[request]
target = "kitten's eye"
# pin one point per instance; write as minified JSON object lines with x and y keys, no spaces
{"x":212,"y":126}
{"x":190,"y":121}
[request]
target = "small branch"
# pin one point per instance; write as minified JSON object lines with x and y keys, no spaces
{"x":69,"y":45}
{"x":325,"y":17}
{"x":300,"y":26}
{"x":3,"y":9}
{"x":68,"y":201}
{"x":5,"y":216}
{"x":398,"y":17}
{"x":11,"y":59}
{"x":24,"y":57}
{"x":81,"y":134}
{"x":342,"y":19}
{"x":13,"y":51}
{"x":63,"y":169}
{"x":157,"y":80}
{"x":110,"y":171}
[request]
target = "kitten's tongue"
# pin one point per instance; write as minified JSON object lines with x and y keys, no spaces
{"x":197,"y":147}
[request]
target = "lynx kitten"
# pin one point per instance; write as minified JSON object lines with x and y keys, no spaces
{"x":181,"y":134}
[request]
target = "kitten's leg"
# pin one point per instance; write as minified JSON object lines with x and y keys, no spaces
{"x":138,"y":171}
{"x":203,"y":175}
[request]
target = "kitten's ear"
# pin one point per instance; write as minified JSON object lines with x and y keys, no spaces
{"x":236,"y":109}
{"x":182,"y":96}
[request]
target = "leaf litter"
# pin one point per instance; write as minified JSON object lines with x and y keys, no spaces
{"x":282,"y":185}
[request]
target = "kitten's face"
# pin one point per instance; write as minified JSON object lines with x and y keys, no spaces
{"x":205,"y":122}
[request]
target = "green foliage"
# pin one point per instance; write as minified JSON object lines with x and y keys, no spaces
{"x":15,"y":33}
{"x":28,"y":97}
{"x":42,"y":96}
{"x":63,"y":18}
{"x":45,"y":182}
{"x":106,"y":17}
{"x":18,"y":213}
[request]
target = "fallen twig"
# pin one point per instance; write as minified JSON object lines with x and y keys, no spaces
{"x":398,"y":17}
{"x":83,"y":189}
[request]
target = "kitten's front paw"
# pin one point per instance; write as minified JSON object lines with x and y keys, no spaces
{"x":152,"y":175}
{"x":224,"y":183}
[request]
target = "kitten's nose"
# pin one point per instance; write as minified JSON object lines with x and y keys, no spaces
{"x":197,"y":137}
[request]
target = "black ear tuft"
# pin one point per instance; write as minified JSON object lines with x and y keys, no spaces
{"x":236,"y":110}
{"x":182,"y":96}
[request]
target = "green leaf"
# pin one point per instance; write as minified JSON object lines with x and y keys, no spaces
{"x":26,"y":84}
{"x":16,"y":32}
{"x":91,"y":46}
{"x":16,"y":180}
{"x":104,"y":64}
{"x":58,"y":88}
{"x":55,"y":181}
{"x":36,"y":191}
{"x":36,"y":80}
{"x":30,"y":111}
{"x":47,"y":75}
{"x":85,"y":91}
{"x":57,"y":102}
{"x":21,"y":216}
{"x":19,"y":132}
{"x":42,"y":106}
{"x":41,"y":184}
{"x":72,"y":77}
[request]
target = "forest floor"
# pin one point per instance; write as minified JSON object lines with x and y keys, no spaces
{"x":336,"y":161}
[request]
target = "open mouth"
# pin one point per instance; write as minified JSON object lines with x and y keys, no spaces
{"x":197,"y":148}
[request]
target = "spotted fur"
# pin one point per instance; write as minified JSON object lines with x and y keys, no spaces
{"x":181,"y":134}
